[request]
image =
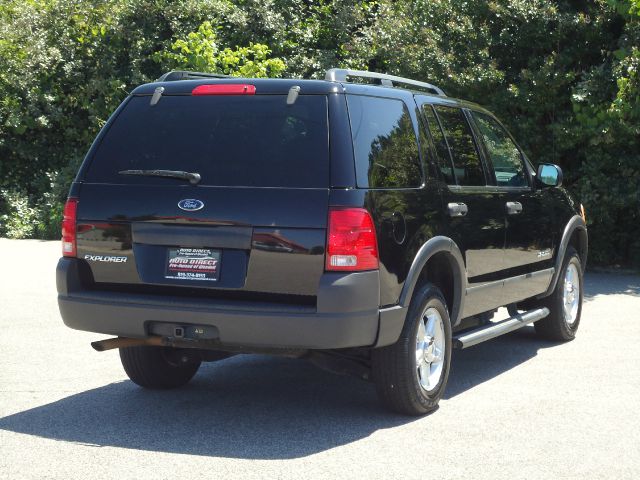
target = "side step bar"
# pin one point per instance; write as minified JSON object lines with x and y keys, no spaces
{"x":493,"y":330}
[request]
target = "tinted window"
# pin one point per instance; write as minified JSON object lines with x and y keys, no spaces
{"x":384,"y":143}
{"x":442,"y":151}
{"x":229,"y":140}
{"x":466,"y":161}
{"x":505,"y":156}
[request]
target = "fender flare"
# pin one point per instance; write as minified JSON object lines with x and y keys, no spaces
{"x":392,"y":319}
{"x":575,"y":223}
{"x":435,"y":245}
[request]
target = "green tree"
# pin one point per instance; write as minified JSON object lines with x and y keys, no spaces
{"x":200,"y":52}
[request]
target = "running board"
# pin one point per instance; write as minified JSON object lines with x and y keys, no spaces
{"x":493,"y":330}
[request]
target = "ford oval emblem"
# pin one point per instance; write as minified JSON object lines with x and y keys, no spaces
{"x":190,"y":204}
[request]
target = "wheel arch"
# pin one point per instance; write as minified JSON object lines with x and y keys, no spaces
{"x":575,"y":235}
{"x":438,"y":253}
{"x":438,"y":261}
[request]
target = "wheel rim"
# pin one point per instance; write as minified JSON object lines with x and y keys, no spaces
{"x":430,"y":349}
{"x":571,"y":295}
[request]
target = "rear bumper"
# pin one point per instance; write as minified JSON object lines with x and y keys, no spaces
{"x":346,"y":315}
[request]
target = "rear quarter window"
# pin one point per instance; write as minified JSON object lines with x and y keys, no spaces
{"x":384,"y":143}
{"x":256,"y":140}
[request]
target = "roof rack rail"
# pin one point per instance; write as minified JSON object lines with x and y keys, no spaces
{"x":341,"y":75}
{"x":184,"y":75}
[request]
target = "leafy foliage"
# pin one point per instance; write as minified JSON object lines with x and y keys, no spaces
{"x":66,"y":65}
{"x":563,"y":75}
{"x":200,"y":52}
{"x":20,"y":220}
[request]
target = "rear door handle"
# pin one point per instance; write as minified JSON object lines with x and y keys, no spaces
{"x":457,"y":209}
{"x":514,"y":208}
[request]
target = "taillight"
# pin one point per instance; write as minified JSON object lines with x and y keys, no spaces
{"x":69,"y":228}
{"x":351,"y":240}
{"x":224,"y":89}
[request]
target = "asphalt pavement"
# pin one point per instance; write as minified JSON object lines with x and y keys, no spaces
{"x":516,"y":407}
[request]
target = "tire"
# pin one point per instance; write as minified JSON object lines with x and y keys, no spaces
{"x":158,"y":367}
{"x":562,"y":323}
{"x":401,"y":385}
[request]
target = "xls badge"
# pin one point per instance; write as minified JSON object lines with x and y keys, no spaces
{"x":544,"y":253}
{"x":105,"y":258}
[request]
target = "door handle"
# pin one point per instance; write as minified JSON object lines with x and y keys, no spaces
{"x":514,"y":208}
{"x":457,"y":209}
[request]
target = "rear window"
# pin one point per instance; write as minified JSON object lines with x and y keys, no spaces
{"x":384,"y":143}
{"x":255,"y":141}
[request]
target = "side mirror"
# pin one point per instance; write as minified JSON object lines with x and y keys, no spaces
{"x":549,"y":174}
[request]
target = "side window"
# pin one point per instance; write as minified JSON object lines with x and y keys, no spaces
{"x":466,"y":161}
{"x":505,"y":156}
{"x":442,"y":151}
{"x":384,"y":143}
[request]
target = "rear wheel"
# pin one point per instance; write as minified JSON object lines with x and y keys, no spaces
{"x":159,"y":367}
{"x":565,"y":303}
{"x":411,"y":375}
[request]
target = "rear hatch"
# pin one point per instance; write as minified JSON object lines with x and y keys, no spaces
{"x":254,"y":224}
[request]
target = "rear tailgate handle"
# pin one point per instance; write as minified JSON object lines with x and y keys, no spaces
{"x":514,"y":208}
{"x":457,"y":209}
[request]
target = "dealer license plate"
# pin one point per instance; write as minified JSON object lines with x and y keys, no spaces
{"x":193,"y":264}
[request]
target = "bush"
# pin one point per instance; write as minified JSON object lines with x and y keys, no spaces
{"x":20,"y":220}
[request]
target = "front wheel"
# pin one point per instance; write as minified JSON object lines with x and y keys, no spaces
{"x":411,"y":375}
{"x":565,"y":303}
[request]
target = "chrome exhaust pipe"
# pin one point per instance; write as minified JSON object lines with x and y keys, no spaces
{"x":123,"y":342}
{"x":182,"y":342}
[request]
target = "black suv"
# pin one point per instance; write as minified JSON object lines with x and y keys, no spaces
{"x":368,"y":226}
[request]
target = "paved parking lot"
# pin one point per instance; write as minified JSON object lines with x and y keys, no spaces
{"x":516,"y":407}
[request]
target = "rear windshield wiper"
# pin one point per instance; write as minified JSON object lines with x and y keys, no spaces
{"x":194,"y":178}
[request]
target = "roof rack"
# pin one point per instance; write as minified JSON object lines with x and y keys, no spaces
{"x":184,"y":75}
{"x":341,"y":75}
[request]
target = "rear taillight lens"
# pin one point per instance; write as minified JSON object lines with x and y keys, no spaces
{"x":351,"y":240}
{"x":69,"y":228}
{"x":225,"y":89}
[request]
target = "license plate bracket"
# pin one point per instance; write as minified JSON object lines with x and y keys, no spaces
{"x":200,"y":264}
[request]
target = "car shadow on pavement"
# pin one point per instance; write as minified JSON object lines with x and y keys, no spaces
{"x":609,"y":284}
{"x":253,"y":407}
{"x":472,"y":366}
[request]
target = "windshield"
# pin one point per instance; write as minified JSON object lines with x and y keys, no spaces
{"x":255,"y":140}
